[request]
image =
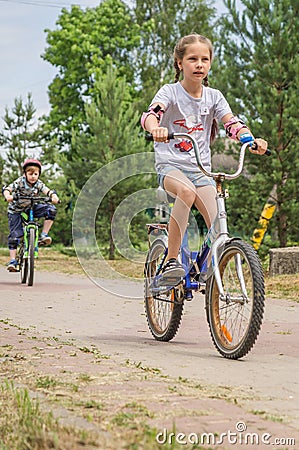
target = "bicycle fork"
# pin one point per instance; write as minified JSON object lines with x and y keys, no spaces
{"x":227,"y":297}
{"x":26,"y":242}
{"x":220,"y":224}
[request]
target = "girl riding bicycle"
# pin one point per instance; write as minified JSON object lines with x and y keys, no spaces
{"x":28,"y":184}
{"x":189,"y":105}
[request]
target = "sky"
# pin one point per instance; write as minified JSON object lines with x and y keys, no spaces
{"x":22,"y":42}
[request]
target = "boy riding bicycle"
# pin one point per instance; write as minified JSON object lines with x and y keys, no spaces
{"x":27,"y":185}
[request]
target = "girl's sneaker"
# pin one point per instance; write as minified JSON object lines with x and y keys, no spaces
{"x":12,"y":266}
{"x":172,"y":273}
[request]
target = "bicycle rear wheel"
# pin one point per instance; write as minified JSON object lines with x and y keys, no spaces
{"x":31,"y":245}
{"x":236,"y":319}
{"x":163,"y":310}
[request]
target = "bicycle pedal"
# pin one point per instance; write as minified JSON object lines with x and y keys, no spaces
{"x":169,"y":281}
{"x":160,"y":289}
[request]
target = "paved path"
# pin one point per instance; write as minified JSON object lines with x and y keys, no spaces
{"x":74,"y":307}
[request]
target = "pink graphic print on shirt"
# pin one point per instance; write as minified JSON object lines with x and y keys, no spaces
{"x":186,"y":146}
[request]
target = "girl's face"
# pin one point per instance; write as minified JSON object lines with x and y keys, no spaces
{"x":196,"y":62}
{"x":32,"y":176}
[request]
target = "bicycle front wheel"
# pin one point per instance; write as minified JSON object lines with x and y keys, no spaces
{"x":31,"y":245}
{"x":23,"y":263}
{"x":163,"y":310}
{"x":235,"y":320}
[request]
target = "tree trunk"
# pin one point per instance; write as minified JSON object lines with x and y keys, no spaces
{"x":282,"y":229}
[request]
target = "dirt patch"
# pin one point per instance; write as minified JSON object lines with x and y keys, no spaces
{"x":279,"y":286}
{"x":122,"y":405}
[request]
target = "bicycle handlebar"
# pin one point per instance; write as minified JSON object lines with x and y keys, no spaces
{"x":33,"y":198}
{"x":227,"y":176}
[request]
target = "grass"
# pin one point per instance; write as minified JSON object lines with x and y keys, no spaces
{"x":23,"y":425}
{"x":285,"y":287}
{"x":53,"y":260}
{"x":105,"y":412}
{"x":267,"y":416}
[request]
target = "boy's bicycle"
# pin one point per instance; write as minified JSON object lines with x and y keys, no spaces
{"x":234,"y":287}
{"x":28,"y":246}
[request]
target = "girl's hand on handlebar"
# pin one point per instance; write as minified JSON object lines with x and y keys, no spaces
{"x":160,"y":134}
{"x":259,"y":146}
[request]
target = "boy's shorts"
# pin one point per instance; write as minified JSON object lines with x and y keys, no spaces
{"x":16,"y":226}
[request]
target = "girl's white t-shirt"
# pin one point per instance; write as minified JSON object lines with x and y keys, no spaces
{"x":186,"y":114}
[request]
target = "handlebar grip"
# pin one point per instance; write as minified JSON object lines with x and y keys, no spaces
{"x":49,"y":200}
{"x":267,"y":152}
{"x":149,"y":137}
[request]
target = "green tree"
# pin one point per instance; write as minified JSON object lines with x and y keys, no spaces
{"x":139,"y":43}
{"x":81,"y":47}
{"x":138,"y":40}
{"x":259,"y":76}
{"x":18,"y":136}
{"x":162,"y":23}
{"x":111,"y":118}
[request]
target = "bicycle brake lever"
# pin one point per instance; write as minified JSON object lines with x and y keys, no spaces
{"x":267,"y":152}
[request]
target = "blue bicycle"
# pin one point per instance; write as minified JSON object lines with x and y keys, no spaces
{"x":234,"y":287}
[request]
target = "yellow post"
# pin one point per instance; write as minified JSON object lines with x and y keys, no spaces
{"x":266,"y":215}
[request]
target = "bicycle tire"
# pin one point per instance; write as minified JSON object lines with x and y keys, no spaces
{"x":23,"y":264}
{"x":235,"y":322}
{"x":31,"y":245}
{"x":163,"y":311}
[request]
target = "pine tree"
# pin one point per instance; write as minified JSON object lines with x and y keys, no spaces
{"x":112,"y":121}
{"x":18,"y":136}
{"x":259,"y":76}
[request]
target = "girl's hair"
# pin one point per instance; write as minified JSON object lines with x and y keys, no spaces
{"x":178,"y":54}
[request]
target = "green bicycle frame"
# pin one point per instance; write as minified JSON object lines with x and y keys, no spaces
{"x":27,"y":227}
